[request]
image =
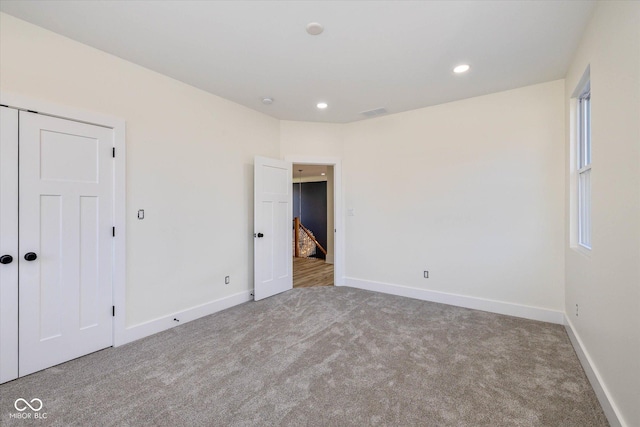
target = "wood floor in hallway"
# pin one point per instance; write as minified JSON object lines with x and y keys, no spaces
{"x":308,"y":272}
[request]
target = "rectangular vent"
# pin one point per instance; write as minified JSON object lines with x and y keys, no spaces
{"x":376,"y":112}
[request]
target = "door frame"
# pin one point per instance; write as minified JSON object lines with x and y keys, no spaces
{"x":338,"y":220}
{"x":22,"y":102}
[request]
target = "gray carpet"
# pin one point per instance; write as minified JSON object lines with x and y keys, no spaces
{"x":324,"y":357}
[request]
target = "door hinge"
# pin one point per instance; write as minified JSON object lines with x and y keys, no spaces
{"x":113,"y":231}
{"x":113,"y":152}
{"x":113,"y":311}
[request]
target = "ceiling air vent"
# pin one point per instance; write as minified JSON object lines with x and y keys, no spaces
{"x":373,"y":113}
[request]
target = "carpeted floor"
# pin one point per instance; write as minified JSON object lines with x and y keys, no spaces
{"x":324,"y":357}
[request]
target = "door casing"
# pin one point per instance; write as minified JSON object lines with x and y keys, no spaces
{"x":338,"y":264}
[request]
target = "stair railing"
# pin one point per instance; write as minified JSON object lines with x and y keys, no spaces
{"x":297,"y":225}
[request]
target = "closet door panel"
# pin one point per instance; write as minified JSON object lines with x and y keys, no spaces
{"x":8,"y":244}
{"x":66,"y":220}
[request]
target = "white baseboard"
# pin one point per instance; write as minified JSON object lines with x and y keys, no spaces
{"x":499,"y":307}
{"x":136,"y":332}
{"x":609,"y":408}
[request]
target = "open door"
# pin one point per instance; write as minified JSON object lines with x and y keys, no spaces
{"x":273,"y":271}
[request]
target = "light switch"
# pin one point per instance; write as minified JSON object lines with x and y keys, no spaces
{"x":140,"y":213}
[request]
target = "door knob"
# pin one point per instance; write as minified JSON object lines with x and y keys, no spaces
{"x":30,"y":256}
{"x":6,"y":259}
{"x":260,"y":235}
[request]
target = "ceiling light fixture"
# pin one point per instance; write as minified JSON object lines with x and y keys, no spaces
{"x":322,"y":105}
{"x":314,"y":28}
{"x":323,"y":173}
{"x":267,"y":101}
{"x":463,"y":68}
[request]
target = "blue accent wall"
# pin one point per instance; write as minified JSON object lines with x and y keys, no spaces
{"x":314,"y":210}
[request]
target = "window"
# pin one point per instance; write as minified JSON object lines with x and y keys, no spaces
{"x":584,"y":166}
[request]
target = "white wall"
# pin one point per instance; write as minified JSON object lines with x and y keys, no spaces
{"x":182,"y":143}
{"x":471,"y":191}
{"x":606,"y":284}
{"x":310,"y":139}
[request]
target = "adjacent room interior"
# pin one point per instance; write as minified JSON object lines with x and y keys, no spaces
{"x":313,"y":225}
{"x":481,"y":204}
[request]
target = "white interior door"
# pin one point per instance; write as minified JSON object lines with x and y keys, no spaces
{"x":8,"y":244}
{"x":66,"y":219}
{"x":273,"y":266}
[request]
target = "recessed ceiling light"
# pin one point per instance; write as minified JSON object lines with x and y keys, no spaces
{"x":314,"y":28}
{"x":322,"y":105}
{"x":463,"y":68}
{"x":267,"y":101}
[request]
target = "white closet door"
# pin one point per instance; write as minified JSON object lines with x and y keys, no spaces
{"x":66,"y":219}
{"x":8,"y":244}
{"x":273,"y":270}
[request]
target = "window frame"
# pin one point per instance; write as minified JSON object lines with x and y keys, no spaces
{"x":583,"y":166}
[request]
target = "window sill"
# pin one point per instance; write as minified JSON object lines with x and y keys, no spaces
{"x":582,"y":250}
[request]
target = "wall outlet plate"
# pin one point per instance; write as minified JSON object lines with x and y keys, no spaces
{"x":227,"y":280}
{"x":426,"y":274}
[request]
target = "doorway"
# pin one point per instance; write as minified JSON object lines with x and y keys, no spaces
{"x":313,"y":225}
{"x":273,"y":223}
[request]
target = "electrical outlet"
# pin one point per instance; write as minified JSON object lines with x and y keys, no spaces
{"x":426,"y":274}
{"x":576,"y":310}
{"x":227,"y":280}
